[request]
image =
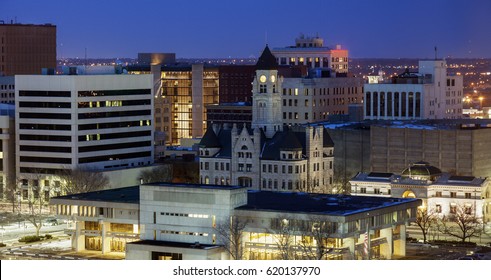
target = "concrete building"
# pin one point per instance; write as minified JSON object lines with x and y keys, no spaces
{"x":7,"y":89}
{"x":311,"y":52}
{"x":268,"y":155}
{"x":318,"y":96}
{"x":184,"y":222}
{"x":98,"y":122}
{"x":428,"y":94}
{"x":441,"y":193}
{"x":229,"y":114}
{"x":26,"y":48}
{"x":455,"y":146}
{"x":7,"y":149}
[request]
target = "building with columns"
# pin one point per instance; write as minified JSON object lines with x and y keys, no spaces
{"x":170,"y":221}
{"x":428,"y":94}
{"x":267,"y":155}
{"x":441,"y":193}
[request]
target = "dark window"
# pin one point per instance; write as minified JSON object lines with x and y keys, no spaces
{"x":113,"y":92}
{"x":93,"y":137}
{"x":44,"y":93}
{"x":45,"y":104}
{"x":114,"y":146}
{"x":113,"y":114}
{"x":42,"y":126}
{"x":114,"y":125}
{"x":114,"y":157}
{"x":53,"y":116}
{"x":46,"y":160}
{"x":58,"y":138}
{"x":46,"y":149}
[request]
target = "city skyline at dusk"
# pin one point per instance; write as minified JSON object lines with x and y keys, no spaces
{"x":221,"y":29}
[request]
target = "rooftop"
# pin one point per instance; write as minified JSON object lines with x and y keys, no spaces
{"x":194,"y":186}
{"x":120,"y":195}
{"x":336,"y":205}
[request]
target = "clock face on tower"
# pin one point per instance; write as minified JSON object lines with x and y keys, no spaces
{"x":273,"y":78}
{"x":262,"y":79}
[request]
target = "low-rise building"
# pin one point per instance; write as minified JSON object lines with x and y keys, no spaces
{"x":442,"y":193}
{"x":187,"y":222}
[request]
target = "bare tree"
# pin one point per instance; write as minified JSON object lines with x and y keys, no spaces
{"x":340,"y":184}
{"x":309,"y":186}
{"x":12,"y":191}
{"x":185,"y":172}
{"x":161,"y":173}
{"x":425,"y":221}
{"x":230,"y":233}
{"x":314,"y":244}
{"x":462,"y":224}
{"x":36,"y":211}
{"x":284,"y":237}
{"x":80,"y":180}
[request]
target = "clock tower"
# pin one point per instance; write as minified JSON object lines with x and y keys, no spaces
{"x":266,"y":95}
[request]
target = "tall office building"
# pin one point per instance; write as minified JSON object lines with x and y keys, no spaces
{"x":311,"y":52}
{"x":181,"y":94}
{"x":26,"y":48}
{"x":101,"y":122}
{"x":429,"y":93}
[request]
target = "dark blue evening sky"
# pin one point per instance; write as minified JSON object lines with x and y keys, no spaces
{"x":221,"y":28}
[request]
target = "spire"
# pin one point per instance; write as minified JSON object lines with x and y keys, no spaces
{"x":267,"y":61}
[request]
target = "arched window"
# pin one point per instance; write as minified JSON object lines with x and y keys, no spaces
{"x":207,"y":180}
{"x":244,"y":147}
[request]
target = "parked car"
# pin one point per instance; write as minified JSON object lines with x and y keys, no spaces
{"x":50,"y":222}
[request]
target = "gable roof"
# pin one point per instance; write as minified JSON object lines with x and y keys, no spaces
{"x":209,"y":140}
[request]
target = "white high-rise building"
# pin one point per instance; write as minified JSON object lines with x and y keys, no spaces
{"x":97,"y":122}
{"x":428,"y":94}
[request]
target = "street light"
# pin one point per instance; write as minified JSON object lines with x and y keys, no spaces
{"x":481,"y":98}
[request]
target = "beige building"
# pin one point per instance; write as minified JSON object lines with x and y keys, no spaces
{"x":268,"y":156}
{"x":441,"y":193}
{"x":311,"y":52}
{"x":428,"y":94}
{"x":315,"y":98}
{"x":97,"y":122}
{"x":192,"y":222}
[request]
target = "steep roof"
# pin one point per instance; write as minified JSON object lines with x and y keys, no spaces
{"x":267,"y":61}
{"x":210,"y":140}
{"x":285,"y":140}
{"x":327,"y":139}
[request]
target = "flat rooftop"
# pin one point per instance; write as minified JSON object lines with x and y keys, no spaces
{"x":443,"y":124}
{"x":325,"y":204}
{"x":195,"y":186}
{"x":120,"y":195}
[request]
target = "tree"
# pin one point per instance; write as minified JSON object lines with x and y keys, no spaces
{"x":36,"y":212}
{"x":462,"y":224}
{"x":185,"y":172}
{"x":340,"y":184}
{"x":314,"y":244}
{"x":80,"y":180}
{"x":12,"y":191}
{"x":161,"y":173}
{"x":425,"y":220}
{"x":284,"y":238}
{"x":230,"y":234}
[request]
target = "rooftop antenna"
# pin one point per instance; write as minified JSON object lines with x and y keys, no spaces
{"x":85,"y":63}
{"x":436,"y":53}
{"x":266,"y":37}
